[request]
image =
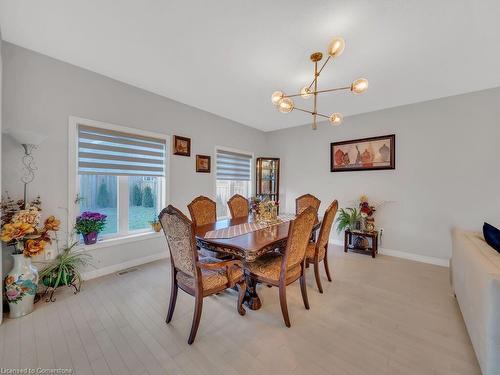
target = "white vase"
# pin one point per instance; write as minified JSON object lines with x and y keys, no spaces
{"x":21,"y":284}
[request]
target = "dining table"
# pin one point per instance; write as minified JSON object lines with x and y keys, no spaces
{"x":247,"y":240}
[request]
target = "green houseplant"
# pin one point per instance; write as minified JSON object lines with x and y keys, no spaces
{"x":65,"y":268}
{"x":348,"y":218}
{"x":89,"y":224}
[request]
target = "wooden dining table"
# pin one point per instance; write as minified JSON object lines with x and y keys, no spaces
{"x":246,"y":247}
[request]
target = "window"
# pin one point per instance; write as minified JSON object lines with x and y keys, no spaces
{"x":234,"y":171}
{"x":120,"y":174}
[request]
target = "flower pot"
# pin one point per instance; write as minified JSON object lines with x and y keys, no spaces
{"x":156,"y":227}
{"x":21,"y":286}
{"x":90,"y":238}
{"x":50,"y":281}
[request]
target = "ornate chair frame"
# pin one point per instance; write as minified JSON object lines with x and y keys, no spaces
{"x":194,"y":215}
{"x":322,"y":242}
{"x":198,"y":291}
{"x":233,"y":201}
{"x":308,"y":215}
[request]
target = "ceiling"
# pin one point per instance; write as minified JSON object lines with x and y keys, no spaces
{"x":227,"y":56}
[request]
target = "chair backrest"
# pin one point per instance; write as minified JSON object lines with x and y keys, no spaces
{"x":203,"y":211}
{"x":306,"y":200}
{"x":179,"y":232}
{"x":238,"y":206}
{"x":326,"y":225}
{"x":299,"y":233}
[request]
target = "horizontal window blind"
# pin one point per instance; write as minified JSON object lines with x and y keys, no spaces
{"x":233,"y":166}
{"x":110,"y":152}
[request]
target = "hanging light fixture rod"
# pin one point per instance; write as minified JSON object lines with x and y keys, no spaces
{"x":285,"y":104}
{"x":319,"y":91}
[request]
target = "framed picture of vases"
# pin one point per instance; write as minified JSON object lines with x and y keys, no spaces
{"x":363,"y":154}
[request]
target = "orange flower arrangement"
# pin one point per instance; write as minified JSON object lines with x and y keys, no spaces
{"x":52,"y":223}
{"x":34,"y":247}
{"x":22,"y":229}
{"x":15,"y":231}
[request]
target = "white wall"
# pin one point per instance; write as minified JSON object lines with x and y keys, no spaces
{"x":40,"y":93}
{"x":447,"y":169}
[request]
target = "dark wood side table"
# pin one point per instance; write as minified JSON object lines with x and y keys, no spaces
{"x":348,"y":245}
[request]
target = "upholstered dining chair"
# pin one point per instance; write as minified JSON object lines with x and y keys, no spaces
{"x":199,"y":278}
{"x":203,"y":211}
{"x":306,"y":200}
{"x":280,"y":270}
{"x":238,"y":206}
{"x":318,"y":251}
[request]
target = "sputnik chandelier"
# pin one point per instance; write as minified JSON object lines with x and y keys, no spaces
{"x":285,"y":103}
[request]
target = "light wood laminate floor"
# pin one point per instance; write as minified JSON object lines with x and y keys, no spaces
{"x":378,"y":316}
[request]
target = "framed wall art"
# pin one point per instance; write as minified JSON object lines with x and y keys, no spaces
{"x":203,"y":163}
{"x":182,"y":146}
{"x":364,"y":154}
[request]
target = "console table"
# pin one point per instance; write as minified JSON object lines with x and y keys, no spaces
{"x":373,"y":249}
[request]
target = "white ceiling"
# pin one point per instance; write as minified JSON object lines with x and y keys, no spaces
{"x":228,"y":56}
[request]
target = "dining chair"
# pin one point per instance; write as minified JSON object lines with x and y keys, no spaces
{"x":306,"y":200}
{"x":280,"y":270}
{"x":199,"y":278}
{"x":318,"y":251}
{"x":238,"y":206}
{"x":203,"y":211}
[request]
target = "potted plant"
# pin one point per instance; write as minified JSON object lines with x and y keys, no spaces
{"x":21,"y":229}
{"x":90,"y":224}
{"x":348,"y":218}
{"x":65,"y":269}
{"x":155,"y":224}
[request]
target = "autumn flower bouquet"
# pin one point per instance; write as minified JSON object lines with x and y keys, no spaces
{"x":22,"y":229}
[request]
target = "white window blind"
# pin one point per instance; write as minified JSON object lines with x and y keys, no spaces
{"x":233,"y":166}
{"x":110,"y":152}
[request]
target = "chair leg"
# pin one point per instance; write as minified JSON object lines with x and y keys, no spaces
{"x":316,"y":275}
{"x":327,"y":269}
{"x":196,"y":318}
{"x":284,"y":308}
{"x":303,"y":290}
{"x":242,"y":288}
{"x":173,"y":298}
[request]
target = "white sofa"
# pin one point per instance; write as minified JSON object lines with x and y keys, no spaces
{"x":475,"y":276}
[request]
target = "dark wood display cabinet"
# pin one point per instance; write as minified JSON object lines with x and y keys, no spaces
{"x":268,"y":178}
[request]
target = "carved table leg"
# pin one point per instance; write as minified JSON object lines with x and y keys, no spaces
{"x":252,"y":299}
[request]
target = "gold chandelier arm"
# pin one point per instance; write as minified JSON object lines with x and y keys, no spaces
{"x":320,"y":91}
{"x":316,"y":74}
{"x":311,"y":112}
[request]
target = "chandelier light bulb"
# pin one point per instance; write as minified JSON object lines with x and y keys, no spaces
{"x":276,"y":97}
{"x":336,"y":47}
{"x":359,"y":86}
{"x":305,"y":92}
{"x":336,"y":119}
{"x":285,"y":105}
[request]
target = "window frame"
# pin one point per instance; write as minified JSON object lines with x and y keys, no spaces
{"x":122,"y":182}
{"x":252,"y":171}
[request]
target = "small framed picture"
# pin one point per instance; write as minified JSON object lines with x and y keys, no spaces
{"x":182,"y":146}
{"x":203,"y":163}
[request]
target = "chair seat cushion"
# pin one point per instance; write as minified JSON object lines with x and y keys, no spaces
{"x":269,"y":267}
{"x":311,"y":250}
{"x":212,"y":279}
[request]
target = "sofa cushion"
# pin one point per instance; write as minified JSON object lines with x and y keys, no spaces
{"x":492,"y":236}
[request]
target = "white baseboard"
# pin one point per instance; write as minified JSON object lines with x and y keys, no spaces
{"x":121,"y":266}
{"x":406,"y":255}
